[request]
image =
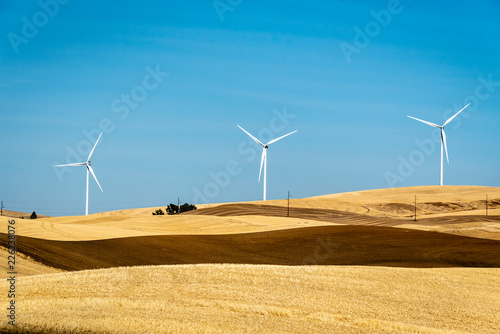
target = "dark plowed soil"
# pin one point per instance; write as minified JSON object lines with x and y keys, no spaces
{"x":325,"y":245}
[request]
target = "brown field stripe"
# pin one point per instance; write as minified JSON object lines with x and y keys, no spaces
{"x":323,"y":245}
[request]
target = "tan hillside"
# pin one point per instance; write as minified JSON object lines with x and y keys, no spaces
{"x":380,"y":202}
{"x":399,"y":202}
{"x":98,"y":226}
{"x":393,"y":205}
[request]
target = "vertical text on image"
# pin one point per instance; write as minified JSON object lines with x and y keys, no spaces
{"x":11,"y":272}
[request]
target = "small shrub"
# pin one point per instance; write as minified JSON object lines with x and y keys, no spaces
{"x":158,"y":212}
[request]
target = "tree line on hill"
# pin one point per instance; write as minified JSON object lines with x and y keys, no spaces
{"x":173,"y":209}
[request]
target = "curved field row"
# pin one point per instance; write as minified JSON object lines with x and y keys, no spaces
{"x":487,"y":227}
{"x":325,"y":215}
{"x":399,"y":202}
{"x":94,"y":227}
{"x":324,"y":245}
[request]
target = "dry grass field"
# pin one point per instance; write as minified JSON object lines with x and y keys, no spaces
{"x":352,"y":262}
{"x":220,"y":298}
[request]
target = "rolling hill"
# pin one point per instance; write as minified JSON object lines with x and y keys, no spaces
{"x":352,"y":262}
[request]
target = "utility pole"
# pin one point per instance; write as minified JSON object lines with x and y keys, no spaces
{"x":178,"y":206}
{"x":415,"y":208}
{"x":288,"y":208}
{"x":1,"y":209}
{"x":486,"y":204}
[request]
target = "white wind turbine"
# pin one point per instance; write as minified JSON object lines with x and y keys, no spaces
{"x":89,"y":168}
{"x":263,"y":160}
{"x":443,"y":136}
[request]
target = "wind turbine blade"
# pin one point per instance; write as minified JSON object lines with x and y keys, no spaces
{"x":443,"y":138}
{"x":255,"y":139}
{"x":275,"y":140}
{"x":262,"y":161}
{"x":95,"y":178}
{"x":428,"y":123}
{"x":452,"y":117}
{"x":77,"y":164}
{"x":93,"y":148}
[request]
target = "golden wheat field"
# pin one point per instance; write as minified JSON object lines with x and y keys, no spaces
{"x":343,"y":263}
{"x":259,"y":298}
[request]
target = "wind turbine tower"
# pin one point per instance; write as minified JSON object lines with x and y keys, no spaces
{"x":89,"y":169}
{"x":443,"y":136}
{"x":263,"y":160}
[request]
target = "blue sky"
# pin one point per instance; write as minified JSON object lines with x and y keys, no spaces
{"x":169,"y":81}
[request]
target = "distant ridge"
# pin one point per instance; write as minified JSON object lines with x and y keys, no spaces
{"x":20,"y":215}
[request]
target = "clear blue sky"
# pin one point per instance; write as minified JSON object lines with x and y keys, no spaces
{"x":344,"y":73}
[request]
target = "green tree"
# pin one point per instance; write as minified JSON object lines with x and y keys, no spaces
{"x":172,"y":209}
{"x":187,"y":207}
